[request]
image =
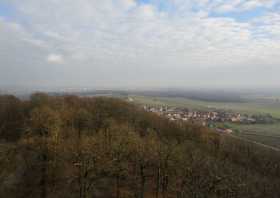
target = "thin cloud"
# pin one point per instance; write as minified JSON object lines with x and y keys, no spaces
{"x":55,"y":58}
{"x":100,"y":39}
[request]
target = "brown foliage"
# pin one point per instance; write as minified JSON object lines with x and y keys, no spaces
{"x":102,"y":147}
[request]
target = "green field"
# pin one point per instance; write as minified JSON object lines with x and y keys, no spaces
{"x":268,"y":134}
{"x":250,"y":107}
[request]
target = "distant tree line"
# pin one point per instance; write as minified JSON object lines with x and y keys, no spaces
{"x":67,"y":146}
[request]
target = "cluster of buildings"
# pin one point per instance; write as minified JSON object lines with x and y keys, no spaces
{"x":185,"y":114}
{"x":206,"y":118}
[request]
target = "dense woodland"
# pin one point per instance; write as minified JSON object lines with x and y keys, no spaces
{"x":71,"y":147}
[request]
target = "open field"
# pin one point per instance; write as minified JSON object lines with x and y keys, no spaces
{"x":250,"y":107}
{"x":268,"y":134}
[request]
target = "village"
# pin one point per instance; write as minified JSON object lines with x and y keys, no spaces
{"x":209,"y":117}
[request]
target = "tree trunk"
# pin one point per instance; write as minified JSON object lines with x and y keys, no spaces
{"x":43,"y":181}
{"x":142,"y":181}
{"x":118,"y":186}
{"x":158,"y":181}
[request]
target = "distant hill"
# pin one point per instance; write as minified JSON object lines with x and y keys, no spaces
{"x":206,"y":95}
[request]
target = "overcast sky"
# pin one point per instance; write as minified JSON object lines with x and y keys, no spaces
{"x":144,"y":43}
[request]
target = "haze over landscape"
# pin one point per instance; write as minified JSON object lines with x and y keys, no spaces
{"x":144,"y":43}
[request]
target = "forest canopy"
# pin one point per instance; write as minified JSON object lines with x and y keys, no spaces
{"x":69,"y":146}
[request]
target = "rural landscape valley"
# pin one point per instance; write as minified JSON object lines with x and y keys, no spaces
{"x":264,"y":130}
{"x":116,"y":145}
{"x":139,"y":99}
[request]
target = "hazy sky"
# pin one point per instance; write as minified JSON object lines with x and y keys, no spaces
{"x":144,"y":43}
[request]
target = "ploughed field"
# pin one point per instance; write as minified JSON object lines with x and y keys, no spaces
{"x":268,"y":134}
